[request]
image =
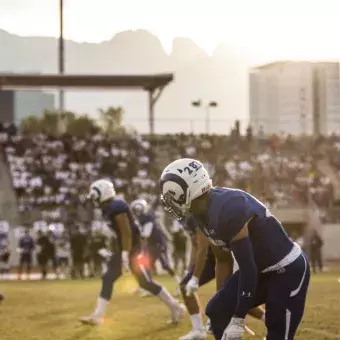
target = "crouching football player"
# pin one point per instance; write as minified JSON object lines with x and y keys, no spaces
{"x":272,"y":268}
{"x":206,"y":263}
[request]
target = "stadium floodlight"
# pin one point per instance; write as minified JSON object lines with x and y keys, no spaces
{"x":61,"y":53}
{"x":206,"y":106}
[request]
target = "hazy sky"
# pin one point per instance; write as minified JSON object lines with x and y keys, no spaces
{"x":267,"y":29}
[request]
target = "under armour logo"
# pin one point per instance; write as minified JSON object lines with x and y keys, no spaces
{"x":248,"y":295}
{"x":281,"y":270}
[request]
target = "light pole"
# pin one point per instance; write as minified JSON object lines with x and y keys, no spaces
{"x":61,"y":53}
{"x":206,"y":106}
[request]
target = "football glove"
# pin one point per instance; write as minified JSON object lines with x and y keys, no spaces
{"x":235,"y":329}
{"x":192,"y":286}
{"x":104,"y":253}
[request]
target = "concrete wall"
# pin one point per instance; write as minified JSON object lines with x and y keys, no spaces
{"x":331,"y":238}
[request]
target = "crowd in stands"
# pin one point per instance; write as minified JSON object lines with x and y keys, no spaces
{"x":51,"y":175}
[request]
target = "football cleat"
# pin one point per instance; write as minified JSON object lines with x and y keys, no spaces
{"x":195,"y":334}
{"x":91,"y":320}
{"x":144,"y":293}
{"x":176,"y":314}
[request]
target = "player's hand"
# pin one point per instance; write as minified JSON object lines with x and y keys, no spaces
{"x":192,"y":286}
{"x":104,"y":253}
{"x":235,"y":329}
{"x":125,"y":261}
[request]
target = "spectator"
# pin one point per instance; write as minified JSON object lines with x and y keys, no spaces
{"x":316,"y":251}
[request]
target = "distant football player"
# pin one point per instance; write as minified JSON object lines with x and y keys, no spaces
{"x":272,"y":268}
{"x":26,"y":247}
{"x":118,"y":215}
{"x":152,"y":234}
{"x":5,"y":252}
{"x":201,"y":271}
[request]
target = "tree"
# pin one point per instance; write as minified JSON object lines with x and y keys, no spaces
{"x":112,"y":119}
{"x":31,"y":124}
{"x":81,"y":126}
{"x":50,"y":122}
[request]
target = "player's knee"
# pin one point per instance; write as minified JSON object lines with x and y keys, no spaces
{"x":217,"y":306}
{"x":150,"y":286}
{"x":110,"y":276}
{"x":212,"y":308}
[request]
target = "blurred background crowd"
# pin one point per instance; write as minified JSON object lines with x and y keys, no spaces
{"x":51,"y":174}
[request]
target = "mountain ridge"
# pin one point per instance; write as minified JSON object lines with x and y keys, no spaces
{"x":221,"y":77}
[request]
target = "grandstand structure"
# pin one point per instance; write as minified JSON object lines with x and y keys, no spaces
{"x":38,"y":173}
{"x":153,"y":84}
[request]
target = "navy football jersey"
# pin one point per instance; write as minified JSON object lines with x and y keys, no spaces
{"x":26,"y":244}
{"x":228,"y":212}
{"x":117,"y":207}
{"x":151,"y":230}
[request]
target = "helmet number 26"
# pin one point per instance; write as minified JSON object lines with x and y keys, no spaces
{"x":193,"y":166}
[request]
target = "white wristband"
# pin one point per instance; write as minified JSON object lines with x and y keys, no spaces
{"x":125,"y":255}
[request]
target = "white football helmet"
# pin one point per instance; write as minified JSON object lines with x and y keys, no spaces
{"x":181,"y":182}
{"x":101,"y":191}
{"x":139,"y":207}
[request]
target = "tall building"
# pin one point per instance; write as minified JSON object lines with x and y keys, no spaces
{"x":17,"y":105}
{"x":295,"y":97}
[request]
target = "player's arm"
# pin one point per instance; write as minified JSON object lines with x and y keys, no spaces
{"x":201,"y":254}
{"x":192,"y":259}
{"x":223,"y":267}
{"x":147,"y":229}
{"x":243,"y":252}
{"x":124,"y":227}
{"x":199,"y":258}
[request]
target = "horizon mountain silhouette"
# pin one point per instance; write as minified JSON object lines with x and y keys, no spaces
{"x":222,"y":77}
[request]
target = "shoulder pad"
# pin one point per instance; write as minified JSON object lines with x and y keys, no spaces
{"x":233,"y":215}
{"x":118,"y":207}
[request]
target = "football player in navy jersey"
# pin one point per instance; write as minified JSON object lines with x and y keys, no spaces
{"x":151,"y":232}
{"x":119,"y":217}
{"x":272,"y":268}
{"x":201,"y":271}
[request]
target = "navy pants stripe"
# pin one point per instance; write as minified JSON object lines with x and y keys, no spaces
{"x":283,"y":293}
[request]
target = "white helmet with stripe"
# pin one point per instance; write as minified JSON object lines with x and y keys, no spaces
{"x":101,"y":190}
{"x":139,"y":207}
{"x":181,"y":182}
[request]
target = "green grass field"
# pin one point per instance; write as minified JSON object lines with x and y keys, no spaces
{"x":50,"y":310}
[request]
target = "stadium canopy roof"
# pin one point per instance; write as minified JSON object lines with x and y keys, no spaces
{"x":153,"y":84}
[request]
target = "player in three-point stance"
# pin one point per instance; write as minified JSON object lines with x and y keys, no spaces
{"x":272,"y":268}
{"x":119,"y":217}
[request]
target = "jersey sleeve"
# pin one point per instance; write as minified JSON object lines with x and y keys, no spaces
{"x":118,"y":207}
{"x":233,"y":216}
